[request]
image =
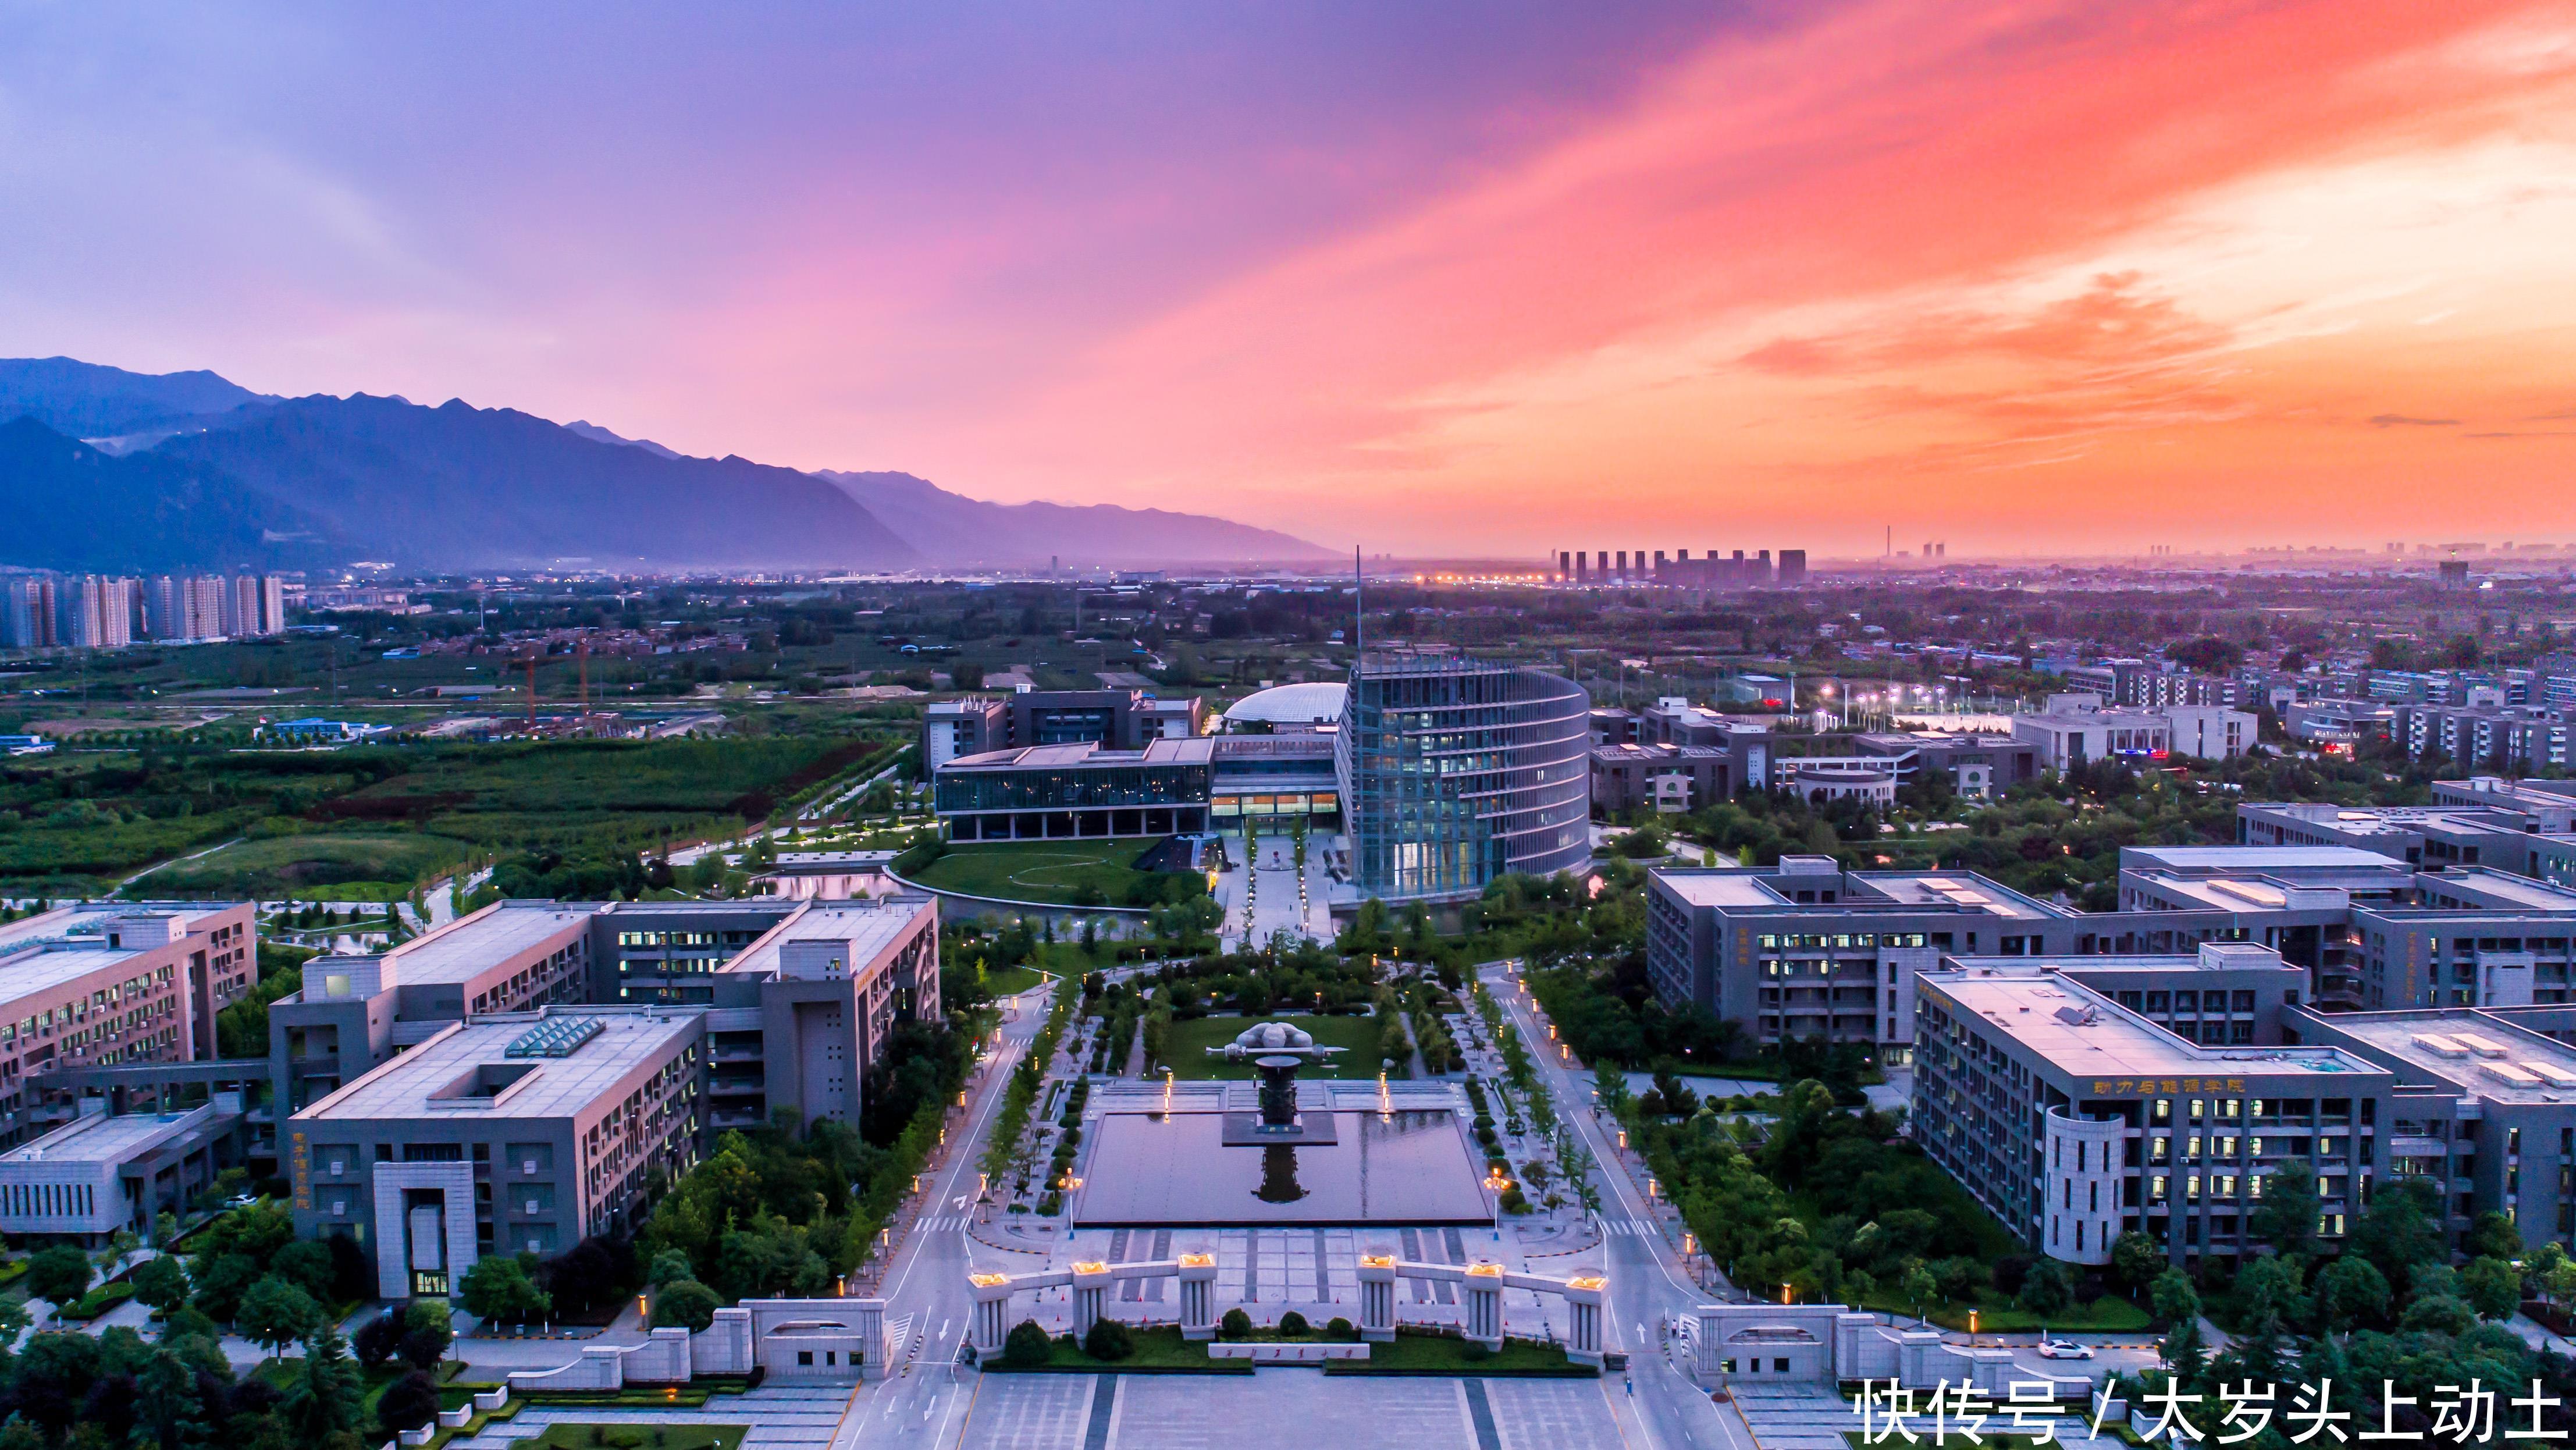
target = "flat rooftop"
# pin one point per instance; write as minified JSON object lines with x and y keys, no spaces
{"x":2478,"y":1052}
{"x":103,"y":1138}
{"x":1087,"y":754}
{"x":868,"y":926}
{"x":2082,"y":1032}
{"x":470,"y":946}
{"x":1721,"y":888}
{"x":1952,"y":889}
{"x":2244,"y":893}
{"x":421,"y":1082}
{"x":2502,"y":887}
{"x":2259,"y":859}
{"x":89,"y":917}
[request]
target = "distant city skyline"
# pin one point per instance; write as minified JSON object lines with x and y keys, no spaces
{"x":2020,"y":277}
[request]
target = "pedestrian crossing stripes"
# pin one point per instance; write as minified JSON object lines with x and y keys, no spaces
{"x":945,"y":1222}
{"x":1630,"y":1228}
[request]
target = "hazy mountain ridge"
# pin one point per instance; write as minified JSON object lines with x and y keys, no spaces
{"x":978,"y":532}
{"x":183,"y":470}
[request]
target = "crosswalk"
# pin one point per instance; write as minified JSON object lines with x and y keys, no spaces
{"x":1631,"y":1228}
{"x":945,"y":1222}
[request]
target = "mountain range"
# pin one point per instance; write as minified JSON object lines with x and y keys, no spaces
{"x":107,"y":470}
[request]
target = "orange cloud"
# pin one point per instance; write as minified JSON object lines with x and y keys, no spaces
{"x":2033,"y":274}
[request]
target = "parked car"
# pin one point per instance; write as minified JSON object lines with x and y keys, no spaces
{"x":2064,"y":1349}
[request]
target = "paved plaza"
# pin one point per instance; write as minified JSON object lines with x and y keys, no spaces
{"x":1287,"y":1409}
{"x":788,"y":1417}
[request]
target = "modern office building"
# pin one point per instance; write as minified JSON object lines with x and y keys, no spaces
{"x":1979,"y":765}
{"x":100,"y":1175}
{"x":110,"y":984}
{"x":2076,"y":1119}
{"x":1806,"y":950}
{"x":2339,"y":726}
{"x":1674,"y":756}
{"x":1454,"y":772}
{"x":1115,"y":720}
{"x":2078,"y":729}
{"x":1046,"y":792}
{"x":2438,"y":835}
{"x":513,"y":1133}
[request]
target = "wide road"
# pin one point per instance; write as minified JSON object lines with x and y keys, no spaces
{"x":922,"y":1399}
{"x":1647,"y":1280}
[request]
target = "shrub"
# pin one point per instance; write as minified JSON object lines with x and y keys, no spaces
{"x":1235,"y":1325}
{"x":1026,"y":1347}
{"x":1293,"y":1325}
{"x":1108,"y":1339}
{"x":408,"y":1403}
{"x":1514,"y":1201}
{"x":1474,"y":1351}
{"x":685,"y":1303}
{"x":1341,"y":1329}
{"x":59,"y":1275}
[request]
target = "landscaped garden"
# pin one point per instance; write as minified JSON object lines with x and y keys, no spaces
{"x":1058,"y":873}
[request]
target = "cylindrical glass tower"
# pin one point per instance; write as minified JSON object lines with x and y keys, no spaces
{"x":1454,"y":772}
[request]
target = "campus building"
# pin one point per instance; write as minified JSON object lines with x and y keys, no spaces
{"x":1050,"y":792}
{"x":1674,"y":756}
{"x":2075,"y":1119}
{"x":514,"y":1133}
{"x":1116,"y":720}
{"x":1806,"y":950}
{"x":1454,"y":772}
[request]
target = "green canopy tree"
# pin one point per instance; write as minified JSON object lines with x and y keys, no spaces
{"x":2351,"y":1291}
{"x":325,"y":1398}
{"x":275,"y":1314}
{"x":499,"y":1289}
{"x":2287,"y":1219}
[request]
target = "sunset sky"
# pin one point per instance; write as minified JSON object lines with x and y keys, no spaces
{"x":1452,"y":279}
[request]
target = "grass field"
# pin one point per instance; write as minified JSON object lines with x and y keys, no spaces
{"x":1189,"y":1041}
{"x":1052,"y":872}
{"x":296,"y":866}
{"x":565,"y":1435}
{"x":1996,"y":1315}
{"x":1440,"y":1354}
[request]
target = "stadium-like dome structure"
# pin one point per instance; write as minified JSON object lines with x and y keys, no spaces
{"x":1307,"y":706}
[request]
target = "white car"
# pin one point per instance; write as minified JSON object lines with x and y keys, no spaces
{"x":2064,"y":1349}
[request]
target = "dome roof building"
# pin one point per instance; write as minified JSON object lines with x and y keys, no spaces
{"x":1284,"y":709}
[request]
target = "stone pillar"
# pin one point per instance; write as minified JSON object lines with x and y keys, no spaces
{"x":1377,"y":1296}
{"x":1088,"y":1282}
{"x":992,"y":1307}
{"x":869,"y":1319}
{"x":1198,"y":1295}
{"x":1583,"y":1318}
{"x":1484,"y":1286}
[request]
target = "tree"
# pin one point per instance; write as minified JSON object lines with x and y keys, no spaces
{"x":1108,"y":1339}
{"x":408,"y":1403}
{"x":2493,"y":1287}
{"x":59,"y":1275}
{"x":324,"y":1399}
{"x":305,"y":1263}
{"x":2351,"y":1290}
{"x":1919,"y":1287}
{"x":379,"y":1338}
{"x":2492,"y":1236}
{"x":275,"y":1314}
{"x":168,"y":1405}
{"x":2437,"y":1314}
{"x":499,"y":1289}
{"x":54,"y":1373}
{"x":426,"y":1334}
{"x":2136,"y":1260}
{"x":2268,"y":1302}
{"x":2287,"y":1219}
{"x":1027,"y":1346}
{"x":685,"y":1303}
{"x":2397,"y":1232}
{"x":2046,"y":1289}
{"x":161,"y":1283}
{"x":669,"y":1267}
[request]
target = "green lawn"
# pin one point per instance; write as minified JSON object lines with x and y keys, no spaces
{"x":564,"y":1435}
{"x":1189,"y":1041}
{"x":303,"y":867}
{"x":1011,"y":981}
{"x":1439,"y":1354}
{"x":2107,"y":1315}
{"x":1162,"y":1348}
{"x":1051,"y":872}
